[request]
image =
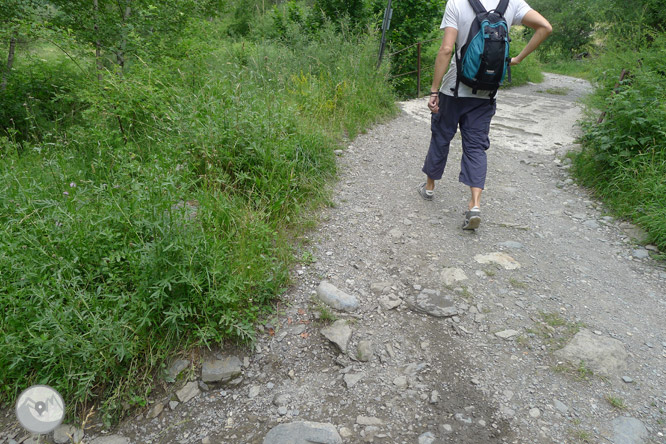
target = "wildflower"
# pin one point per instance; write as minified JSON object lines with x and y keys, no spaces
{"x":72,"y":185}
{"x":65,"y":193}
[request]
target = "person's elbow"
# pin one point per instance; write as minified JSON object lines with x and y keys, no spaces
{"x":446,"y":50}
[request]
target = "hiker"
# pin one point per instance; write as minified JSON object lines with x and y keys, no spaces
{"x":453,"y":102}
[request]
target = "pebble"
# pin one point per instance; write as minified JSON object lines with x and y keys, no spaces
{"x":351,"y":379}
{"x":188,"y":392}
{"x":507,"y":334}
{"x":338,"y":333}
{"x":627,"y":379}
{"x":640,"y":253}
{"x":155,"y":410}
{"x":535,"y":412}
{"x":560,"y":406}
{"x":62,"y":434}
{"x":364,"y":351}
{"x":427,"y":438}
{"x":254,"y":391}
{"x":400,"y":382}
{"x":173,"y":404}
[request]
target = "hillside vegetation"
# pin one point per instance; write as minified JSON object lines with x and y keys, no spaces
{"x":152,"y":192}
{"x":624,"y":157}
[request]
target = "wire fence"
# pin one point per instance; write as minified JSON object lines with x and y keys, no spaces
{"x":418,"y":69}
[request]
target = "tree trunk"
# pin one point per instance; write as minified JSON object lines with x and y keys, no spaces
{"x":120,"y":55}
{"x":98,"y":45}
{"x":10,"y":62}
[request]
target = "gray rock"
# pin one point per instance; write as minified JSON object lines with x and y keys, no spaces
{"x":191,"y":390}
{"x":368,"y":421}
{"x":203,"y":386}
{"x":338,"y":333}
{"x":155,"y":410}
{"x":427,"y":438}
{"x":177,"y":368}
{"x":111,"y":439}
{"x":560,"y":406}
{"x":627,"y":379}
{"x":380,"y":287}
{"x":282,"y":410}
{"x":254,"y":391}
{"x":462,"y":418}
{"x":627,"y":430}
{"x":512,"y":245}
{"x":400,"y":382}
{"x":390,"y":301}
{"x":450,"y":276}
{"x":62,"y":434}
{"x":330,"y":295}
{"x":173,"y":404}
{"x":591,"y":223}
{"x":601,"y":354}
{"x":634,"y":232}
{"x":507,"y":334}
{"x":501,"y":259}
{"x":303,"y":432}
{"x":221,"y":370}
{"x":364,"y":351}
{"x":535,"y":412}
{"x":434,"y":303}
{"x":640,"y":253}
{"x":351,"y":379}
{"x":280,"y":400}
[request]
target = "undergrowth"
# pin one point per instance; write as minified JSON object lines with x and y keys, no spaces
{"x":162,"y":216}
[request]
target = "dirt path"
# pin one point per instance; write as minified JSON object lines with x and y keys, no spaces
{"x":546,"y":264}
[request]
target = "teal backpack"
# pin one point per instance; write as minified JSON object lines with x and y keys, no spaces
{"x":484,"y":59}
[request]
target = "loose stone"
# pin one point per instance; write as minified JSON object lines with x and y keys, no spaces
{"x":330,"y":295}
{"x":221,"y":370}
{"x":338,"y":333}
{"x":427,"y":438}
{"x":364,"y":351}
{"x":507,"y":334}
{"x":189,"y":391}
{"x":303,"y":432}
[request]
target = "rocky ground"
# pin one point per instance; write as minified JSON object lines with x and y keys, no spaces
{"x":546,"y":325}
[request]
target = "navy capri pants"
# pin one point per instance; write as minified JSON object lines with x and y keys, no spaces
{"x":473,"y":115}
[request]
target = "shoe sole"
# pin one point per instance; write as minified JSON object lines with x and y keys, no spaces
{"x":473,"y":223}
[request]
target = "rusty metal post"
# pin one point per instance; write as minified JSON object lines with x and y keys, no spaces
{"x":418,"y":70}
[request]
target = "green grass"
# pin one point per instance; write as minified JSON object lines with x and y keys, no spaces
{"x":616,"y":402}
{"x":162,"y":214}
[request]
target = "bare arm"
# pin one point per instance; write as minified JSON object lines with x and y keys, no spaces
{"x":441,"y":65}
{"x":542,"y":30}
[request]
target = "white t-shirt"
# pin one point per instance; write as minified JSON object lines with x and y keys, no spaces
{"x":459,"y":15}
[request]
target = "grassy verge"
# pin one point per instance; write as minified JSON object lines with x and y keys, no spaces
{"x":623,"y":158}
{"x":159,"y":218}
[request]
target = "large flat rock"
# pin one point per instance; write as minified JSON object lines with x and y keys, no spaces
{"x":600,"y":354}
{"x":303,"y":432}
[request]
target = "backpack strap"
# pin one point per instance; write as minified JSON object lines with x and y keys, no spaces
{"x":501,"y":8}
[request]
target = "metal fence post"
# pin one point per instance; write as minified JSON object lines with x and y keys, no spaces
{"x":418,"y":70}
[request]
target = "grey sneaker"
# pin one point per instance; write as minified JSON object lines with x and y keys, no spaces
{"x":472,"y":219}
{"x":426,"y":194}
